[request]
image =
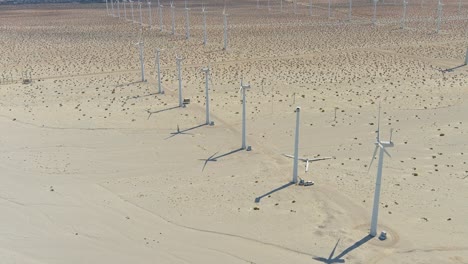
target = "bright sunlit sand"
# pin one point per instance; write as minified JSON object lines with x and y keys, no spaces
{"x":98,"y":167}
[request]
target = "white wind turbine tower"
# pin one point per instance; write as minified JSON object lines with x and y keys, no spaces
{"x":179,"y":60}
{"x":381,"y":145}
{"x":258,"y":6}
{"x":160,"y":16}
{"x":466,"y":57}
{"x":142,"y":62}
{"x":150,"y":17}
{"x":187,"y":21}
{"x":329,"y":8}
{"x":243,"y":87}
{"x":118,"y":8}
{"x":439,"y":15}
{"x":141,"y":16}
{"x":225,"y":33}
{"x":403,"y":19}
{"x":133,"y":17}
{"x":112,"y":6}
{"x":374,"y":19}
{"x":295,"y":6}
{"x":204,"y":25}
{"x":125,"y":9}
{"x":173,"y":17}
{"x":207,"y":96}
{"x":350,"y":10}
{"x":160,"y":90}
{"x":281,"y":6}
{"x":296,"y":145}
{"x":107,"y":7}
{"x":310,"y":7}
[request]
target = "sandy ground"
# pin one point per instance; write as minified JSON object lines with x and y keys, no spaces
{"x":93,"y":171}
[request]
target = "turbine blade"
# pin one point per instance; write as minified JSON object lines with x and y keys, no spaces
{"x":289,"y":156}
{"x":307,"y":166}
{"x":391,"y":134}
{"x":386,"y":152}
{"x":318,"y":159}
{"x":378,"y":125}
{"x":373,"y":156}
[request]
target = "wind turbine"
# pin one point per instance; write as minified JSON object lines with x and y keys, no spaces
{"x":307,"y":160}
{"x":142,"y":62}
{"x":150,"y":17}
{"x":295,"y":6}
{"x":466,"y":57}
{"x":350,"y":11}
{"x":310,"y":7}
{"x":207,"y":97}
{"x":112,"y":6}
{"x":296,"y":145}
{"x":179,"y":60}
{"x":374,"y":19}
{"x":141,"y":15}
{"x":160,"y":16}
{"x":329,"y":8}
{"x":160,"y":90}
{"x":173,"y":17}
{"x":243,"y":87}
{"x":118,"y":8}
{"x":439,"y":15}
{"x":379,"y":145}
{"x":281,"y":6}
{"x":107,"y":7}
{"x":225,"y":33}
{"x":133,"y":17}
{"x":403,"y":19}
{"x":125,"y":9}
{"x":187,"y":21}
{"x":204,"y":25}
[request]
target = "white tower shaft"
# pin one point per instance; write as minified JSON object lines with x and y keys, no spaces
{"x":466,"y":57}
{"x":112,"y":7}
{"x":225,"y":32}
{"x":160,"y":17}
{"x":296,"y":145}
{"x":350,"y":11}
{"x":204,"y":28}
{"x":173,"y":19}
{"x":133,"y":17}
{"x":243,"y":88}
{"x":329,"y":8}
{"x":118,"y":8}
{"x":187,"y":26}
{"x":150,"y":15}
{"x":403,"y":19}
{"x":374,"y":19}
{"x":125,"y":9}
{"x":160,"y":90}
{"x":181,"y":103}
{"x":207,"y":96}
{"x":378,"y":181}
{"x":141,"y":15}
{"x":107,"y":7}
{"x":439,"y":15}
{"x":310,"y":7}
{"x":142,"y":61}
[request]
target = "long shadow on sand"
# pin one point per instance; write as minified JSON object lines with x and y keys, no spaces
{"x":215,"y":158}
{"x":338,"y":259}
{"x":159,"y":111}
{"x":452,"y":69}
{"x":183,"y":132}
{"x":257,"y":200}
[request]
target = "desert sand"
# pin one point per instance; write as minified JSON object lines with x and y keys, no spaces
{"x":93,"y":171}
